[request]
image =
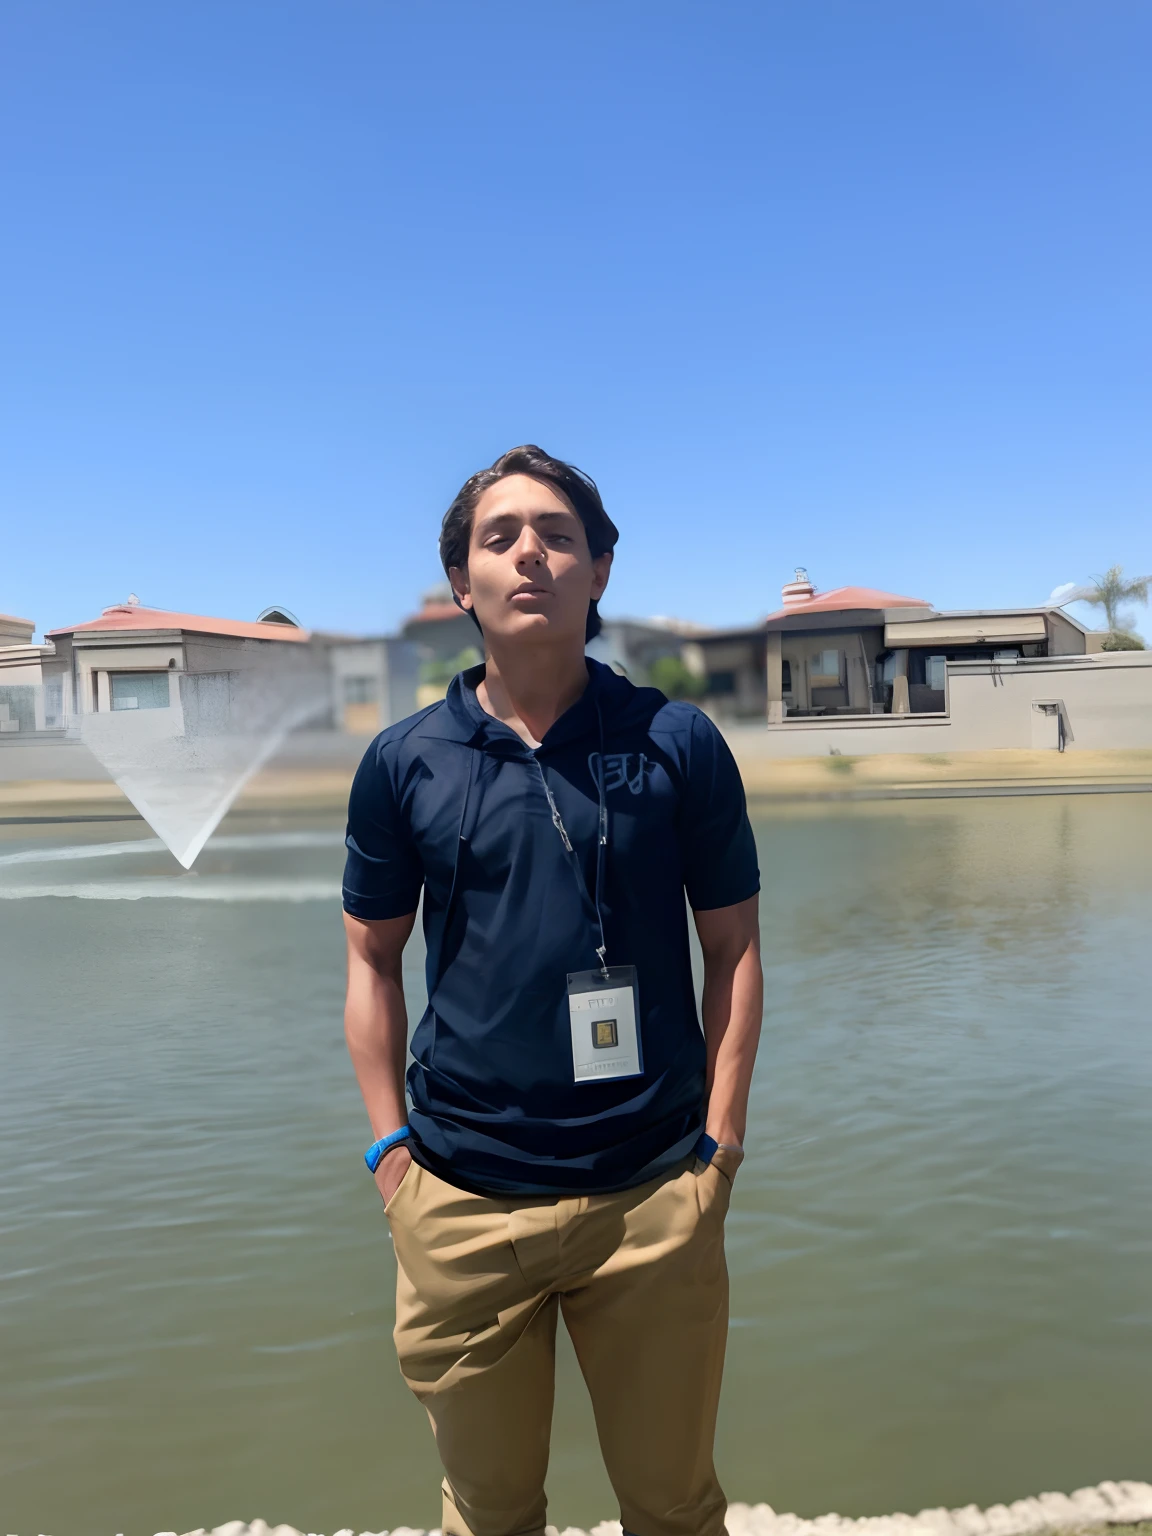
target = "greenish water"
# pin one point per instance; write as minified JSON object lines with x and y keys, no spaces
{"x":940,"y":1243}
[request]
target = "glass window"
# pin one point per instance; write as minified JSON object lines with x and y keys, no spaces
{"x":826,"y":664}
{"x":785,"y":676}
{"x":139,"y":690}
{"x":359,"y":690}
{"x":934,"y":671}
{"x":721,"y":682}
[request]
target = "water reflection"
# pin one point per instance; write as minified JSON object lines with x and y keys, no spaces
{"x":941,"y":1264}
{"x":939,"y":1245}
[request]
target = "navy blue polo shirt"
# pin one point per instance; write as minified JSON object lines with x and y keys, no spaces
{"x":450,"y":803}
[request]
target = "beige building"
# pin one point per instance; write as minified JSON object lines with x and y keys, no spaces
{"x":439,"y":630}
{"x":34,"y":692}
{"x":135,"y":657}
{"x":138,"y":658}
{"x":857,"y":671}
{"x":374,"y":681}
{"x":1101,"y":701}
{"x":186,"y":667}
{"x":860,"y":651}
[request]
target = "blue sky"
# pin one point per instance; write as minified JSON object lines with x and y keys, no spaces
{"x":865,"y":287}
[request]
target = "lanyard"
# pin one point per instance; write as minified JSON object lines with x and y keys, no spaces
{"x":601,"y":844}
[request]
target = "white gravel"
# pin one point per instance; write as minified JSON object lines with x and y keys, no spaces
{"x":1121,"y":1503}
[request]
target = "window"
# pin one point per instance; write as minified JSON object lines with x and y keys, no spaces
{"x":824,"y":668}
{"x":786,"y":676}
{"x":934,"y":671}
{"x":139,"y":690}
{"x":359,"y":690}
{"x":721,"y":682}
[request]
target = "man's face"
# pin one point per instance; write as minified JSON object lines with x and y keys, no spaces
{"x":530,"y":573}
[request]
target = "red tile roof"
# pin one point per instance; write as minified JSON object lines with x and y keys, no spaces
{"x":436,"y":611}
{"x":841,"y":599}
{"x":134,"y":616}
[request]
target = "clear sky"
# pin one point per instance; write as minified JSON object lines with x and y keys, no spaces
{"x":861,"y":286}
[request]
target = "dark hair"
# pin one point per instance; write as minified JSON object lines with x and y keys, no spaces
{"x":572,"y":483}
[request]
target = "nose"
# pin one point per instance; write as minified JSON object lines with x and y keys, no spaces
{"x":530,"y":550}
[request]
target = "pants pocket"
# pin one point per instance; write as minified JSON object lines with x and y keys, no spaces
{"x":405,"y":1183}
{"x":713,"y":1191}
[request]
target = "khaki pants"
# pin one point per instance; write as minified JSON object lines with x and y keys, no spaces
{"x":641,"y":1280}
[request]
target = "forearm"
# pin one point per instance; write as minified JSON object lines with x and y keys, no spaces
{"x":376,"y":1029}
{"x":733,"y":1004}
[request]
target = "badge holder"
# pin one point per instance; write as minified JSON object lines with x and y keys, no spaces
{"x":602,"y":1003}
{"x":602,"y":1010}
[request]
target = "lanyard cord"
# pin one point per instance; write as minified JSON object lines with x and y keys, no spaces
{"x":601,"y":840}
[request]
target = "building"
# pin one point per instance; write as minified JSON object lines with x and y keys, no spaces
{"x":33,"y":690}
{"x":634,"y":646}
{"x":135,"y":657}
{"x":374,"y":681}
{"x":140,"y":658}
{"x":439,"y":630}
{"x":857,"y":671}
{"x":446,"y":640}
{"x":860,"y":651}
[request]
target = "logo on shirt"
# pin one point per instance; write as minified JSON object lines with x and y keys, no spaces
{"x":620,"y":769}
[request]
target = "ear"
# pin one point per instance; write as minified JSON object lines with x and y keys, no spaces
{"x":461,"y":591}
{"x":601,"y":569}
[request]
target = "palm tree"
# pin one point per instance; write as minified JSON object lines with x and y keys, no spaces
{"x":1109,"y":592}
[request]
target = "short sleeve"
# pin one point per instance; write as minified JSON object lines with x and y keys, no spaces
{"x":719,"y":849}
{"x":382,"y":873}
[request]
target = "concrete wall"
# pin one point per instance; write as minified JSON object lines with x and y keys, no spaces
{"x":1104,"y":702}
{"x":1064,"y":637}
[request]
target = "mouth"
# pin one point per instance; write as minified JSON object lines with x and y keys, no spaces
{"x":528,"y":592}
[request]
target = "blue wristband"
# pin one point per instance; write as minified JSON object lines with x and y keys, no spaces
{"x":378,"y":1148}
{"x":705,"y":1149}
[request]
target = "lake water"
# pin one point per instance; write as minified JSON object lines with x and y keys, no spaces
{"x":941,"y":1243}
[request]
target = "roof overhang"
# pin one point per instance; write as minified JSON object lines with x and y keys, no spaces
{"x":177,"y":634}
{"x":966,"y":629}
{"x":20,"y":655}
{"x":112,"y":637}
{"x":830,"y":618}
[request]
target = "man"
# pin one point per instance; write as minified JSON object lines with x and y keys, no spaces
{"x":573,"y":1133}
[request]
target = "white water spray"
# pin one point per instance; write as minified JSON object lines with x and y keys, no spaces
{"x":182,"y":767}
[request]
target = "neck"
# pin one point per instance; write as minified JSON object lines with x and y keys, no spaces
{"x":530,"y":687}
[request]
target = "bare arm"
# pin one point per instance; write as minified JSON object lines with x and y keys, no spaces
{"x":376,"y":1029}
{"x":733,"y":1005}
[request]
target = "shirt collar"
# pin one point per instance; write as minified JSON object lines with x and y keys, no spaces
{"x":465,"y":720}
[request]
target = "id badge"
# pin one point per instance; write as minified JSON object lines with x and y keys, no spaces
{"x":603,"y":1010}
